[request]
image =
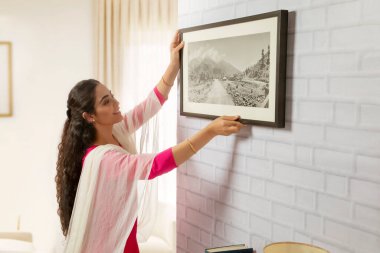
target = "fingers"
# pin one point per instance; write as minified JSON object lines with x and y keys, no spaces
{"x":231,"y":125}
{"x":235,"y":124}
{"x":175,"y":39}
{"x":230,"y":130}
{"x":230,"y":117}
{"x":176,"y":44}
{"x":179,"y":47}
{"x":234,"y":128}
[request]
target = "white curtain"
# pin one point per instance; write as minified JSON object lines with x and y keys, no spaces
{"x":146,"y":57}
{"x":127,"y":24}
{"x":146,"y":61}
{"x":132,"y":48}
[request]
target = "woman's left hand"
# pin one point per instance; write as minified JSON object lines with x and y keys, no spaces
{"x":175,"y":46}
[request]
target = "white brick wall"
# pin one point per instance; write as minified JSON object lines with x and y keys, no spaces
{"x":318,"y":179}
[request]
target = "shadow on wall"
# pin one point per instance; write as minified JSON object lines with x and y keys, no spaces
{"x":230,"y":173}
{"x":290,"y":72}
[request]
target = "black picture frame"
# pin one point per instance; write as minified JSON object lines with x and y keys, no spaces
{"x":222,"y":72}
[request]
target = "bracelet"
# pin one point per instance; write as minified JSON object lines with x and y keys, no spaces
{"x":163,"y":80}
{"x":191,"y":146}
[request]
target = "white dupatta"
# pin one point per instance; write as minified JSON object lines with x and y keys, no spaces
{"x":106,"y":202}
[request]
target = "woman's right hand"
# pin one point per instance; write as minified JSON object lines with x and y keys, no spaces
{"x":225,"y":125}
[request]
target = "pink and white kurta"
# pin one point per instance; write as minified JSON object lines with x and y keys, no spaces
{"x":104,"y":216}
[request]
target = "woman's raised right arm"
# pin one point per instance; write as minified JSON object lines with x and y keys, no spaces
{"x":224,"y":125}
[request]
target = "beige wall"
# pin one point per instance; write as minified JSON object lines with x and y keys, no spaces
{"x":52,"y":50}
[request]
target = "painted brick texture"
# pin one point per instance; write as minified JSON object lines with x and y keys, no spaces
{"x":318,"y":179}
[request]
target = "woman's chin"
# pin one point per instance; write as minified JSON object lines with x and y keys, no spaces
{"x":119,"y":117}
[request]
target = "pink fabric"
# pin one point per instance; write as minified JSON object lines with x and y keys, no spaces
{"x":131,"y":246}
{"x":145,"y":110}
{"x":159,"y":95}
{"x":88,"y":150}
{"x":163,"y":162}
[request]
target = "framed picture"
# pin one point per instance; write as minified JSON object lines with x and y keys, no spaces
{"x":5,"y":79}
{"x":236,"y":67}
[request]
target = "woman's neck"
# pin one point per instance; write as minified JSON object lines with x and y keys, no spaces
{"x":104,"y":136}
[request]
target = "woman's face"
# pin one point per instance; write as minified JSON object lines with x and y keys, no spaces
{"x":107,"y":110}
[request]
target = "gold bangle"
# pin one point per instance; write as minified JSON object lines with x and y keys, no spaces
{"x":191,"y":146}
{"x":163,"y":80}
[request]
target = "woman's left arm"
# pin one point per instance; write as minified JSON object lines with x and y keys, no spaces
{"x":167,"y":80}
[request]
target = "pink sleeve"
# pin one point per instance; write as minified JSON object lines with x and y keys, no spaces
{"x":160,"y":97}
{"x":163,"y":162}
{"x":144,"y":111}
{"x":130,"y":166}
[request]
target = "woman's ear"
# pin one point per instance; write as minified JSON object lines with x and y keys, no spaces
{"x":88,"y":117}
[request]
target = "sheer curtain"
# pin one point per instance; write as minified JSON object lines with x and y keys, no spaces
{"x":132,"y":44}
{"x":123,"y":25}
{"x":147,"y":59}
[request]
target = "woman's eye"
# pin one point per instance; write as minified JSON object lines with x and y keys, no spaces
{"x":106,"y":102}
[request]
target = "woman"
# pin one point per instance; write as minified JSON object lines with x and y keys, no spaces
{"x":98,"y":168}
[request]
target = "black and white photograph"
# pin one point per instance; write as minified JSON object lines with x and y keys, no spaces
{"x":236,"y":67}
{"x":222,"y":71}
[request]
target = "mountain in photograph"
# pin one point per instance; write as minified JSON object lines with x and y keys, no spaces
{"x":207,"y":69}
{"x":260,"y":70}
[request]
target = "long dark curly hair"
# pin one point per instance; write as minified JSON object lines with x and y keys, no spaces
{"x":78,"y":134}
